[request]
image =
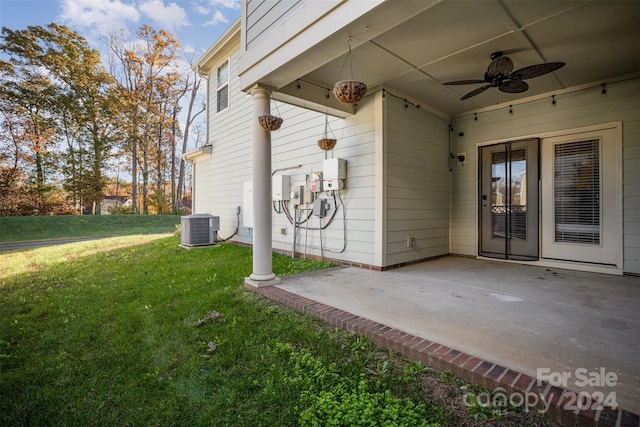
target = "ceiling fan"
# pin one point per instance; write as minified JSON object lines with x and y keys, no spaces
{"x":499,"y":74}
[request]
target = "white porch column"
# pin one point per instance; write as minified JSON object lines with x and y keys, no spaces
{"x":262,"y":266}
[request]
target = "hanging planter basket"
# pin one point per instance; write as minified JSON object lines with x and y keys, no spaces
{"x":270,"y":123}
{"x":349,"y":91}
{"x":327,"y":143}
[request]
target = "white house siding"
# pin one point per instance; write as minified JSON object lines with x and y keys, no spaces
{"x":219,"y":179}
{"x":573,"y":110}
{"x":296,"y":143}
{"x":263,"y":16}
{"x":418,"y":182}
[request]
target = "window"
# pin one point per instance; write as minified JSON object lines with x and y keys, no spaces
{"x":222,"y":87}
{"x":577,"y":192}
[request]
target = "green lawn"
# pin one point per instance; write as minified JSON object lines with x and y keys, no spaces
{"x":37,"y":228}
{"x":104,"y":333}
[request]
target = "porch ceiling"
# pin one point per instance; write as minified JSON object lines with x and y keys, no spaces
{"x":452,"y":40}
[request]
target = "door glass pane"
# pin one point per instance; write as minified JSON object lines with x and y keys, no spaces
{"x":518,"y":194}
{"x":577,"y":192}
{"x":509,"y":194}
{"x":498,"y":193}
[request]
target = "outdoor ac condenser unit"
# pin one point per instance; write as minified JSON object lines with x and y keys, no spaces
{"x":198,"y":230}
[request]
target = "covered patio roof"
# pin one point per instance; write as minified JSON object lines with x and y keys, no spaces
{"x":411,"y":48}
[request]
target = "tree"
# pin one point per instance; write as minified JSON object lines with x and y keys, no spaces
{"x":192,"y":83}
{"x":146,"y":73}
{"x":25,"y":103}
{"x":79,"y":97}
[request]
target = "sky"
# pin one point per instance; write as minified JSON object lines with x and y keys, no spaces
{"x":196,"y":24}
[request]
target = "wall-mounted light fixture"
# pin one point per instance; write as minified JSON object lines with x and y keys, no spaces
{"x":462,"y":158}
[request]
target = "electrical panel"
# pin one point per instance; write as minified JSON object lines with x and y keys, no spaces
{"x":334,"y":174}
{"x":334,"y":169}
{"x":280,"y":187}
{"x":315,"y":182}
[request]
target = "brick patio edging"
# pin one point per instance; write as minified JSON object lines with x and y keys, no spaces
{"x":441,"y":357}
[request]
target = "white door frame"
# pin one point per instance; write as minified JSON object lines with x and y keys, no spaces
{"x":616,"y":206}
{"x":609,"y":250}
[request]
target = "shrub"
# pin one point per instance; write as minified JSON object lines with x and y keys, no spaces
{"x":330,"y":399}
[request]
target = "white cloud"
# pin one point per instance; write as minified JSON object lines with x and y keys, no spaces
{"x":218,"y":11}
{"x":170,"y":17}
{"x":227,"y":4}
{"x":200,"y":9}
{"x":104,"y":15}
{"x":217,"y":18}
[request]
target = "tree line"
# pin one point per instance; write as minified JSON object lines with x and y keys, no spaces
{"x":67,"y":119}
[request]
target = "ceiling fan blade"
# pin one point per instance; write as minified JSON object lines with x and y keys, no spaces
{"x":475,"y":92}
{"x":501,"y":65}
{"x":513,"y":86}
{"x":535,"y":70}
{"x":465,"y":82}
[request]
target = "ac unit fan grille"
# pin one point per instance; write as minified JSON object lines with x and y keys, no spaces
{"x":198,"y":230}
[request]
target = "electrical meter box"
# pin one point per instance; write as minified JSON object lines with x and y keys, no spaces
{"x":280,"y":187}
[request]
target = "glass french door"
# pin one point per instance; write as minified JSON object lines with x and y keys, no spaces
{"x":508,"y":211}
{"x":581,"y":193}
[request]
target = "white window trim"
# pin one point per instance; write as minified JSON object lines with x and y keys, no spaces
{"x":227,"y":85}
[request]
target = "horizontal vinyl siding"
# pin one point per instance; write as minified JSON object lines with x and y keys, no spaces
{"x":631,"y":188}
{"x":572,"y":110}
{"x":297,"y":143}
{"x":418,"y":178}
{"x":219,"y":179}
{"x":263,"y":16}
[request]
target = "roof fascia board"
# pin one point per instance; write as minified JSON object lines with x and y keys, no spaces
{"x":228,"y":43}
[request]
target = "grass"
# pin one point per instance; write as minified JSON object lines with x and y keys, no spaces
{"x":104,"y":333}
{"x":132,"y":330}
{"x":40,"y":228}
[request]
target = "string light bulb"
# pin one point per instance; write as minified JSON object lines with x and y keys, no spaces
{"x":475,"y":116}
{"x":604,"y":90}
{"x":511,"y":109}
{"x":553,"y":100}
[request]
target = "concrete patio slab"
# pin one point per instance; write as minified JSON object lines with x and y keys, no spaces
{"x":577,"y":331}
